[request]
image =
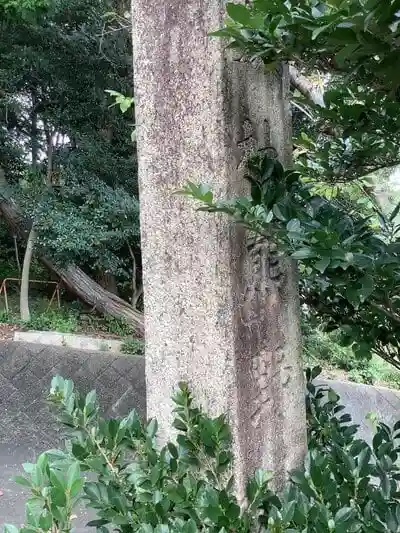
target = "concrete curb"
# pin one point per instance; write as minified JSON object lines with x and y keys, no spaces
{"x":69,"y":340}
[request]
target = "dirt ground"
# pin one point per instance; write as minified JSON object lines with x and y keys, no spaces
{"x":7,"y":331}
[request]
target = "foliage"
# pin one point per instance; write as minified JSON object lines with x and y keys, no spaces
{"x":24,"y":8}
{"x":345,"y":484}
{"x":90,"y":223}
{"x":340,"y":362}
{"x":117,"y":327}
{"x":343,"y":31}
{"x":61,"y":320}
{"x":350,"y":274}
{"x":325,"y":349}
{"x":133,"y":347}
{"x":82,"y":195}
{"x":71,"y":317}
{"x":7,"y":254}
{"x":55,"y":483}
{"x":124,"y":102}
{"x":356,"y":44}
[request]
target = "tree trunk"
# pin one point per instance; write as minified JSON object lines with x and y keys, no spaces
{"x":34,"y":131}
{"x":95,"y":295}
{"x":306,"y":87}
{"x":24,"y":294}
{"x":137,"y":289}
{"x":108,"y":281}
{"x":30,"y":243}
{"x":72,"y":276}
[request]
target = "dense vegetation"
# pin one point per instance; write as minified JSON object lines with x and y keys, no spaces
{"x":324,"y":349}
{"x":348,"y":250}
{"x":68,"y":183}
{"x":68,"y":168}
{"x":186,"y":486}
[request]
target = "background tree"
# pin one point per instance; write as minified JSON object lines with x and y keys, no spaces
{"x":80,"y":196}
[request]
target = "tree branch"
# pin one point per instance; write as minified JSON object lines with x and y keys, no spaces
{"x":385,"y":312}
{"x":137,"y":291}
{"x":306,"y":87}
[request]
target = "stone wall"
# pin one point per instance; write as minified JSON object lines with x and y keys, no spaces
{"x":26,"y":371}
{"x":25,"y":375}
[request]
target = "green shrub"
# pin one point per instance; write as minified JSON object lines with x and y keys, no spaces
{"x":133,"y":347}
{"x":106,"y":324}
{"x":5,"y":318}
{"x":384,"y":373}
{"x":325,"y":349}
{"x":321,"y":348}
{"x":64,"y":321}
{"x":117,"y":327}
{"x":345,"y":485}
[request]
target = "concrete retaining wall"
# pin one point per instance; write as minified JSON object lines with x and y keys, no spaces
{"x":69,"y":340}
{"x":26,"y":425}
{"x":26,"y":371}
{"x":25,"y":375}
{"x":360,"y":400}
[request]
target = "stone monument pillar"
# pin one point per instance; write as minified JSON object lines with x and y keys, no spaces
{"x":222,"y":318}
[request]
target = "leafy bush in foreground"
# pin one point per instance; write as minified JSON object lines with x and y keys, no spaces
{"x":345,"y":485}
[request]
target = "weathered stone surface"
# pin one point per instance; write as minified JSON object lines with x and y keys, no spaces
{"x":26,"y":371}
{"x":215,"y":315}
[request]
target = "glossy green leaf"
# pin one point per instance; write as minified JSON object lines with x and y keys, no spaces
{"x":238,"y":13}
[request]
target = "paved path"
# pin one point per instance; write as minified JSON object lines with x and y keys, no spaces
{"x":11,"y":510}
{"x":12,"y":500}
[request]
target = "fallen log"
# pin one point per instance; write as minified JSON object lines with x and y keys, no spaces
{"x":73,"y":277}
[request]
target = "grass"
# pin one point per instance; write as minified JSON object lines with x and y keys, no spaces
{"x":43,"y":318}
{"x":133,"y":347}
{"x":385,"y":374}
{"x":321,"y":349}
{"x":69,"y":318}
